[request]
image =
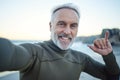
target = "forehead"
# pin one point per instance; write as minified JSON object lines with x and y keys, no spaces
{"x":66,"y":14}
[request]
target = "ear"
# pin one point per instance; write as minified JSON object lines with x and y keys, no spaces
{"x":50,"y":26}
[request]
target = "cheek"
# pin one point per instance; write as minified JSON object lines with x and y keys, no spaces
{"x":58,"y":30}
{"x":74,"y":33}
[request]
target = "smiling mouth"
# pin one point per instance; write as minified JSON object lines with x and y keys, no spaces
{"x":64,"y":38}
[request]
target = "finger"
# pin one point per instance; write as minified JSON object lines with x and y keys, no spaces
{"x":104,"y":43}
{"x":106,"y":38}
{"x":106,"y":35}
{"x":92,"y":47}
{"x":97,"y":43}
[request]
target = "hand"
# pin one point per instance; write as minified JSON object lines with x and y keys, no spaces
{"x":102,"y":45}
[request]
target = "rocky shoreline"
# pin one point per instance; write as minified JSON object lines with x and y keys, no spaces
{"x":114,"y":37}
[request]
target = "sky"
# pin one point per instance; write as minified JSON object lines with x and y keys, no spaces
{"x":29,"y":19}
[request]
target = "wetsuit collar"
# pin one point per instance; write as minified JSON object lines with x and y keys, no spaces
{"x":56,"y":48}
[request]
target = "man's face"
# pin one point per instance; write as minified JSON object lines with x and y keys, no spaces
{"x":64,"y":27}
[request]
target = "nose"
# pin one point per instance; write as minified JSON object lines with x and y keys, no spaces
{"x":67,"y":30}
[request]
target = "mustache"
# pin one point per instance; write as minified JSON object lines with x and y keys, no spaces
{"x":65,"y":35}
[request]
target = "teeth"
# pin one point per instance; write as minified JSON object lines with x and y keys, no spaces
{"x":64,"y":37}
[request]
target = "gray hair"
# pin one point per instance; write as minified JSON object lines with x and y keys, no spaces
{"x":68,"y":6}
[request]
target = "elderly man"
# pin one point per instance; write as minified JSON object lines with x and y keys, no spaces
{"x":53,"y":59}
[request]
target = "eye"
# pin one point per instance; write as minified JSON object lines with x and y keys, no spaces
{"x":61,"y":23}
{"x":73,"y":26}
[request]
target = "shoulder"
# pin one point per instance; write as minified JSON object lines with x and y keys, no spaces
{"x":34,"y":44}
{"x":30,"y":45}
{"x":32,"y":48}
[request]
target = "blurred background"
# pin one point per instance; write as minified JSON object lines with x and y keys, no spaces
{"x":28,"y":21}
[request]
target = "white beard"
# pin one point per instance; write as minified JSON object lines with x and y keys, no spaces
{"x":57,"y":42}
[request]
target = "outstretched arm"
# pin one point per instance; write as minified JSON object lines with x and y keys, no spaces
{"x":12,"y":57}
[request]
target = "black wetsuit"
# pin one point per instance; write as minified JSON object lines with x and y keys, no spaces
{"x":45,"y":61}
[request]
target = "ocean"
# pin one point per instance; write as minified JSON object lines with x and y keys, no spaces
{"x":79,"y":46}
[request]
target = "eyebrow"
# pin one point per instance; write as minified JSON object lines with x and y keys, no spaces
{"x":75,"y":23}
{"x":65,"y":23}
{"x":61,"y":21}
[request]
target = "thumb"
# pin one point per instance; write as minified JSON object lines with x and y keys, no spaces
{"x":92,"y":47}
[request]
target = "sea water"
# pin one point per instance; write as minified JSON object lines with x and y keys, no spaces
{"x":79,"y":46}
